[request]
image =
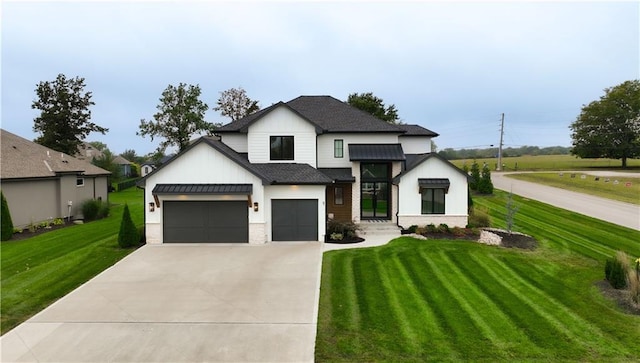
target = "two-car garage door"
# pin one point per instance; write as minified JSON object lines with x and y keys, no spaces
{"x":206,"y":221}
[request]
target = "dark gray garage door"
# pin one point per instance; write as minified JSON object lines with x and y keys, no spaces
{"x":204,"y":222}
{"x":294,"y":219}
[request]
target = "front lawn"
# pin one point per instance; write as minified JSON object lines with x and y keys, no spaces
{"x":418,"y":301}
{"x":40,"y":270}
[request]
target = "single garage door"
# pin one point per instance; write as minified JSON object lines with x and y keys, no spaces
{"x":205,"y":222}
{"x":294,"y":219}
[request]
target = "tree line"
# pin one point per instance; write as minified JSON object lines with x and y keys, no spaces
{"x":455,"y":154}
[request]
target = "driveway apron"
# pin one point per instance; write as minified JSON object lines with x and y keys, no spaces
{"x":184,"y":303}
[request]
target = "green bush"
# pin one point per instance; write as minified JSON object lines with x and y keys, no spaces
{"x":431,"y":228}
{"x":93,"y":209}
{"x":346,"y":229}
{"x":479,"y":218}
{"x":412,"y":229}
{"x":485,"y":186}
{"x":128,"y":235}
{"x":7,"y":223}
{"x":615,"y":270}
{"x":443,"y":228}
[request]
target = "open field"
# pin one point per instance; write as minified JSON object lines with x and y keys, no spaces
{"x":418,"y":301}
{"x":622,"y":191}
{"x":552,"y":162}
{"x":38,"y":271}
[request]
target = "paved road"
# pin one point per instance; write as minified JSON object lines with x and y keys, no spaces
{"x":624,"y":214}
{"x":184,"y":303}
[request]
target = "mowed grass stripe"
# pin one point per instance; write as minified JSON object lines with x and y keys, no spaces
{"x":432,"y":339}
{"x":498,"y":326}
{"x":581,"y":328}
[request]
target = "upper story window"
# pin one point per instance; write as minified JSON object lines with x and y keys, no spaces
{"x":281,"y":147}
{"x":338,"y":148}
{"x":80,"y":182}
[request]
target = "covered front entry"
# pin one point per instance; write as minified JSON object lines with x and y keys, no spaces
{"x":374,"y":188}
{"x":205,"y":221}
{"x":294,"y":219}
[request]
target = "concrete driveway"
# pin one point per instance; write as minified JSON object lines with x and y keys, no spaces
{"x":184,"y":303}
{"x":624,"y":214}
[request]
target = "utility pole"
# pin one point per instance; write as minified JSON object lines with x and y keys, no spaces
{"x":499,"y":168}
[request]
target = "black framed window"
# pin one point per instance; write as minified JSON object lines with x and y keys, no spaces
{"x":432,"y":201}
{"x":338,"y":148}
{"x":281,"y":147}
{"x":80,"y":182}
{"x":338,"y":197}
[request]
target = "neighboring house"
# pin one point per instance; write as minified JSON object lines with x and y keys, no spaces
{"x":281,"y":172}
{"x":40,"y":183}
{"x":124,"y":164}
{"x":88,"y":152}
{"x":146,"y":168}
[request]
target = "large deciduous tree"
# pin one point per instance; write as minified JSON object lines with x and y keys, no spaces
{"x":369,"y":103}
{"x":610,"y":127}
{"x":180,"y":115}
{"x":64,"y":120}
{"x":235,"y":104}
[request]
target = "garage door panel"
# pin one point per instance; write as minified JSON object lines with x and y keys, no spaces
{"x":206,"y":221}
{"x":294,"y":220}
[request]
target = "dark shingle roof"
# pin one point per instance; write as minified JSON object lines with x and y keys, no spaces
{"x":416,"y":130}
{"x":338,"y":174}
{"x":376,"y":152}
{"x":21,"y":158}
{"x":414,"y":160}
{"x":203,"y":189}
{"x":292,"y":174}
{"x":326,"y":113}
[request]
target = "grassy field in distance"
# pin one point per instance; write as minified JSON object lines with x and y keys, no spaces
{"x":552,"y":162}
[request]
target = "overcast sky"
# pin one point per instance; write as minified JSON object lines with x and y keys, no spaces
{"x":450,"y":67}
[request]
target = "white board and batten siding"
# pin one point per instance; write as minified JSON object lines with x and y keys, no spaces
{"x":203,"y":165}
{"x":236,"y":141}
{"x":314,"y":192}
{"x":326,"y":157}
{"x":415,"y":144}
{"x":410,"y":200}
{"x":282,"y":122}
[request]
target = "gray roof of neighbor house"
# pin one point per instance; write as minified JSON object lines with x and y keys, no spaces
{"x":416,"y":130}
{"x":121,"y":161}
{"x":272,"y":173}
{"x":21,"y":158}
{"x":327,"y":114}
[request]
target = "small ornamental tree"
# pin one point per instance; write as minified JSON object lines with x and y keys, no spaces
{"x":7,"y":223}
{"x":485,"y":186}
{"x":128,"y":235}
{"x":475,"y":176}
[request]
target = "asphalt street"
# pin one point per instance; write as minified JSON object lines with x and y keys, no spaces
{"x":624,"y":214}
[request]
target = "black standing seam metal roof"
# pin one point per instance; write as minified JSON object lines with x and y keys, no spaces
{"x":376,"y":152}
{"x":203,"y":189}
{"x":431,"y":183}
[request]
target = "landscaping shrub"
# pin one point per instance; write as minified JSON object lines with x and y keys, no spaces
{"x":346,"y":229}
{"x":475,"y":176}
{"x":443,"y":228}
{"x":128,"y":235}
{"x":412,"y":229}
{"x":485,"y":186}
{"x":7,"y":223}
{"x":431,"y":228}
{"x":93,"y":209}
{"x":616,"y":270}
{"x":479,"y":218}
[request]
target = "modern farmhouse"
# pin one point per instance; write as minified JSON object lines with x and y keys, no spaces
{"x":281,"y":172}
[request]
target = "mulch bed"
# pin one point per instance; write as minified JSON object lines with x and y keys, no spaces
{"x":621,"y":297}
{"x":516,"y":240}
{"x":345,"y":240}
{"x":26,"y":233}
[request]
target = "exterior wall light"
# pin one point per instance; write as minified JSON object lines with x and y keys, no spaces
{"x":152,"y":207}
{"x":255,"y":207}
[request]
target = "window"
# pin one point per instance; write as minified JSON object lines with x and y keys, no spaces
{"x":281,"y":147}
{"x":338,"y":198}
{"x":338,"y":148}
{"x":80,"y":182}
{"x":432,"y":201}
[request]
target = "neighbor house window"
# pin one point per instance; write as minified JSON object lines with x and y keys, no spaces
{"x":432,"y":201}
{"x":338,"y":198}
{"x":338,"y":148}
{"x":281,"y":147}
{"x":80,"y":182}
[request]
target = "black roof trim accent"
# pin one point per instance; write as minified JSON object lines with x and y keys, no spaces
{"x":338,"y":174}
{"x":226,"y":189}
{"x":376,"y":152}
